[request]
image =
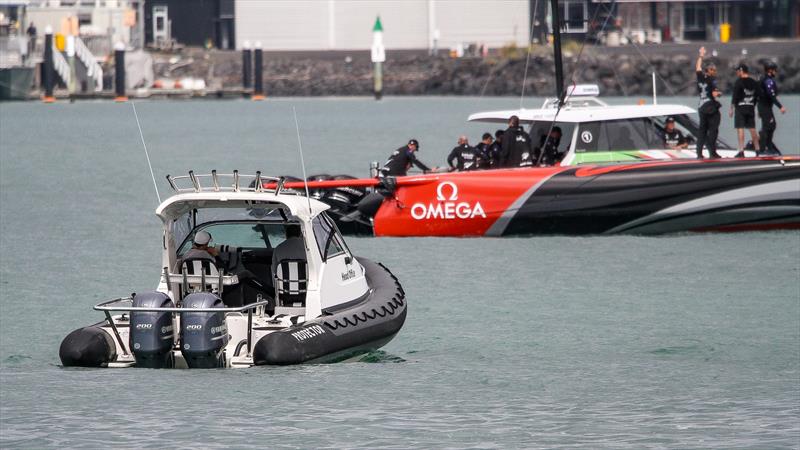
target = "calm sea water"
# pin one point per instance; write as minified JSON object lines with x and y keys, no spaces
{"x":689,"y":340}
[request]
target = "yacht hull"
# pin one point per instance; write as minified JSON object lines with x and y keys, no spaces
{"x":640,"y":198}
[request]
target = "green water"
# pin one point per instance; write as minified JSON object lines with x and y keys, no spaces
{"x":681,"y":341}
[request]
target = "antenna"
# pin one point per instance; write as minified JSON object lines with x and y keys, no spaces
{"x":133,"y":104}
{"x":302,"y":162}
{"x":655,"y":99}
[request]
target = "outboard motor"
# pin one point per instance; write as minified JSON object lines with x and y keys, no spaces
{"x":152,"y":334}
{"x":204,"y":335}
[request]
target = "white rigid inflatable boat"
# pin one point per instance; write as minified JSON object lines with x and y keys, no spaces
{"x":237,"y":310}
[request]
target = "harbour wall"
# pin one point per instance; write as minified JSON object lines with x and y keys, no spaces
{"x":618,"y":71}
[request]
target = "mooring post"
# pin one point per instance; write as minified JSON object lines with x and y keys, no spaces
{"x":378,"y":54}
{"x":247,"y":68}
{"x":119,"y":73}
{"x":258,"y":81}
{"x":48,"y":75}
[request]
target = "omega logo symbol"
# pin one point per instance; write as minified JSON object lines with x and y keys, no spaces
{"x":447,"y":207}
{"x":453,"y":191}
{"x":586,"y":137}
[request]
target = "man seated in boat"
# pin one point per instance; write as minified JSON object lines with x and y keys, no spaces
{"x":292,"y":248}
{"x":201,"y":249}
{"x":547,"y":152}
{"x":672,"y":137}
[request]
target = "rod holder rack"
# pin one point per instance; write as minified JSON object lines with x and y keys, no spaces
{"x":227,"y":182}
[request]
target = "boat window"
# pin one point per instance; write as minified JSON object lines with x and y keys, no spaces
{"x":539,"y":130}
{"x":328,"y":239}
{"x":617,"y":135}
{"x":247,"y":235}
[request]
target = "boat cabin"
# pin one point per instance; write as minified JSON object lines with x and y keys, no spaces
{"x":595,"y":132}
{"x":266,"y":243}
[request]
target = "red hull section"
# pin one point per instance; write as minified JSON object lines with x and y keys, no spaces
{"x":455,"y":204}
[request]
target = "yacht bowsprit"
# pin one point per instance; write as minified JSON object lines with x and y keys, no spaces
{"x":280,"y":286}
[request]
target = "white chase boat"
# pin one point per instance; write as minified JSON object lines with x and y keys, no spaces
{"x":245,"y":307}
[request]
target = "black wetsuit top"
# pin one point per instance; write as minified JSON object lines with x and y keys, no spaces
{"x":769,"y":92}
{"x":400,"y":161}
{"x":705,"y":89}
{"x":673,"y":138}
{"x":464,"y":156}
{"x":516,"y":142}
{"x":745,"y":93}
{"x":549,"y":149}
{"x":485,"y":155}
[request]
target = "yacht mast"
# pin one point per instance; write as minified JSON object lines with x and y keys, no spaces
{"x":556,"y":21}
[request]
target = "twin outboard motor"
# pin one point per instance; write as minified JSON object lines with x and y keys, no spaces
{"x":204,"y":335}
{"x":152,"y":334}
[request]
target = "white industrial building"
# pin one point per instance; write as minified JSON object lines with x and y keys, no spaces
{"x":407,"y":24}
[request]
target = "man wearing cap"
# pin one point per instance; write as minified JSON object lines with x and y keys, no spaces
{"x":672,"y":137}
{"x":201,"y":249}
{"x":745,"y":94}
{"x":708,"y":109}
{"x":402,"y":159}
{"x":768,"y":97}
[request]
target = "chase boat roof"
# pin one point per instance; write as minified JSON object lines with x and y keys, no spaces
{"x":215,"y":190}
{"x":585,"y":114}
{"x":581,"y":105}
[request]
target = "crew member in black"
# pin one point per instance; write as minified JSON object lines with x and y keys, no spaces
{"x":548,"y":145}
{"x":709,"y":107}
{"x":484,"y":149}
{"x":516,"y":142}
{"x":402,"y":159}
{"x":496,"y":148}
{"x":769,"y":97}
{"x":463,"y":156}
{"x":745,"y":94}
{"x":673,"y":138}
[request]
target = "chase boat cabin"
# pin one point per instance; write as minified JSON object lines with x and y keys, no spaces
{"x":596,"y":132}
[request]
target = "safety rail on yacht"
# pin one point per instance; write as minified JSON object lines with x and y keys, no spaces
{"x":107,"y":308}
{"x":227,"y":182}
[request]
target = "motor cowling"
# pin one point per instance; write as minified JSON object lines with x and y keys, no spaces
{"x":152,"y":334}
{"x":204,"y":335}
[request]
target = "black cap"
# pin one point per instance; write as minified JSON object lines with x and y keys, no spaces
{"x":742,"y":67}
{"x":414,"y":142}
{"x":770,"y":65}
{"x":670,"y":119}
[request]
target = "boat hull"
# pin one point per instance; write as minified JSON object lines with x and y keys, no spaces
{"x":642,"y":198}
{"x":355,"y":329}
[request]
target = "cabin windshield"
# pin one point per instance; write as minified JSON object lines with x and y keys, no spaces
{"x":184,"y":226}
{"x":643,"y":133}
{"x":540,"y":129}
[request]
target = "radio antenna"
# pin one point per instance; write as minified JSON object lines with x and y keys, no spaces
{"x":147,"y":155}
{"x":302,"y":162}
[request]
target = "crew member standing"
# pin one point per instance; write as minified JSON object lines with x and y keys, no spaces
{"x":769,"y":97}
{"x":708,"y":109}
{"x":402,"y":159}
{"x":463,"y":156}
{"x":745,"y":94}
{"x":548,"y":153}
{"x":484,"y":149}
{"x":496,"y":149}
{"x":516,"y":143}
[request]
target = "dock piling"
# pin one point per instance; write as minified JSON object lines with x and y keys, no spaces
{"x":247,"y":68}
{"x":258,"y":82}
{"x":48,"y":77}
{"x":119,"y":73}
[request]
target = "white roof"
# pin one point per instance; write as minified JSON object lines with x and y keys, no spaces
{"x":298,"y":205}
{"x":587,"y":114}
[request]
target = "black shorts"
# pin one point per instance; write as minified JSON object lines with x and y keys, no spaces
{"x":744,"y":117}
